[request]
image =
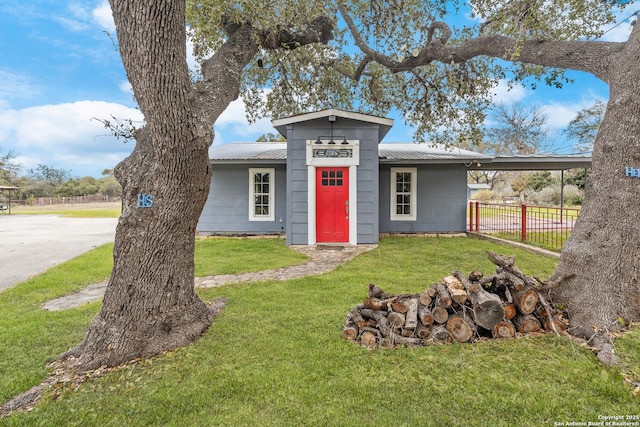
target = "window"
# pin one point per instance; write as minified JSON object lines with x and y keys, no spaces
{"x":403,"y":194}
{"x":332,"y":178}
{"x":261,"y":194}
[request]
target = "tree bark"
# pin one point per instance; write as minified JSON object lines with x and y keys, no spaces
{"x":603,"y":250}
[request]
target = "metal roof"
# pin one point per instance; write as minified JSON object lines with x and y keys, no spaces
{"x":270,"y":152}
{"x":396,"y":153}
{"x":426,"y":153}
{"x":537,"y":162}
{"x":388,"y":153}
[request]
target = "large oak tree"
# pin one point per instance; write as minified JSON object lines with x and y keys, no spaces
{"x":150,"y":304}
{"x":598,"y":276}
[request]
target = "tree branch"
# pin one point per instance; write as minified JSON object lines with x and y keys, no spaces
{"x":591,"y":57}
{"x":223,"y":71}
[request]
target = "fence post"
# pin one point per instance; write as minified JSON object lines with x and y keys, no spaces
{"x":523,"y":222}
{"x":477,"y":217}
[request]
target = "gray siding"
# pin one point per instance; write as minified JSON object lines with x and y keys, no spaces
{"x":441,"y":201}
{"x":227,"y":208}
{"x":367,"y":175}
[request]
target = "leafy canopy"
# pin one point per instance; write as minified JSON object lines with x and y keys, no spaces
{"x":445,"y":100}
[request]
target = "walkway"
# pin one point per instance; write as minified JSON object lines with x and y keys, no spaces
{"x":322,"y":259}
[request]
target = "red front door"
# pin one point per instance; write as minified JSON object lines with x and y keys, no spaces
{"x":332,"y":205}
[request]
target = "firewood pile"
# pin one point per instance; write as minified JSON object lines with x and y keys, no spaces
{"x":460,"y":308}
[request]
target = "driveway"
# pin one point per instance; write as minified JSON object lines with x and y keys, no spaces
{"x":31,"y":244}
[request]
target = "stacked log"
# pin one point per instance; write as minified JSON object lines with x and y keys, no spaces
{"x":460,"y":308}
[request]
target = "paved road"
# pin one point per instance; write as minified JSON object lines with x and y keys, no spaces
{"x":31,"y":244}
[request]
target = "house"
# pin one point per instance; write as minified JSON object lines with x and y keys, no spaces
{"x":333,"y":181}
{"x":474,"y":188}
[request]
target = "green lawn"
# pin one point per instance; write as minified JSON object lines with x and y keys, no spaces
{"x":88,"y":210}
{"x":274,"y":356}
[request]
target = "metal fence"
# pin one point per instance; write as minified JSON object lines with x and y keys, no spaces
{"x":548,"y":227}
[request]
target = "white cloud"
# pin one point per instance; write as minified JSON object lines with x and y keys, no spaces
{"x":559,"y":115}
{"x":619,"y":33}
{"x":66,"y":135}
{"x":71,"y":24}
{"x":103,"y":16}
{"x":503,"y":94}
{"x":125,"y":87}
{"x":234,"y":121}
{"x":15,"y":86}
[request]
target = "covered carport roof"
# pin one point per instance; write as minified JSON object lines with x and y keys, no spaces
{"x":9,"y":189}
{"x":518,"y":162}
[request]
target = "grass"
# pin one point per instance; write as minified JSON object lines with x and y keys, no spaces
{"x":229,"y":256}
{"x":274,"y":357}
{"x":552,"y":241}
{"x":86,"y":210}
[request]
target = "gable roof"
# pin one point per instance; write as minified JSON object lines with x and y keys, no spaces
{"x":385,"y":123}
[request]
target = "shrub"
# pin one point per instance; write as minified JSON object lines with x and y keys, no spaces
{"x":483,"y":195}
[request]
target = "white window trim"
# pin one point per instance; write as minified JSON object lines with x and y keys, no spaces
{"x":272,"y":197}
{"x":413,"y":195}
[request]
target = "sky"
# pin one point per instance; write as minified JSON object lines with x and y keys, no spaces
{"x":60,"y":74}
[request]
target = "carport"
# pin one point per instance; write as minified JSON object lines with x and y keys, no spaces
{"x":6,"y":208}
{"x":536,"y":162}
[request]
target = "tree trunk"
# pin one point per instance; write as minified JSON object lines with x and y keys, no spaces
{"x":603,"y":250}
{"x":150,"y":304}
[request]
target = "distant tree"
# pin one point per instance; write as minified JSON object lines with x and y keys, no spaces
{"x":511,"y":129}
{"x":271,"y":137}
{"x":584,"y":127}
{"x":109,"y":186}
{"x":78,"y":187}
{"x":517,"y":128}
{"x":8,"y":169}
{"x":50,"y":174}
{"x":577,"y":177}
{"x":519,"y":182}
{"x":539,"y":180}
